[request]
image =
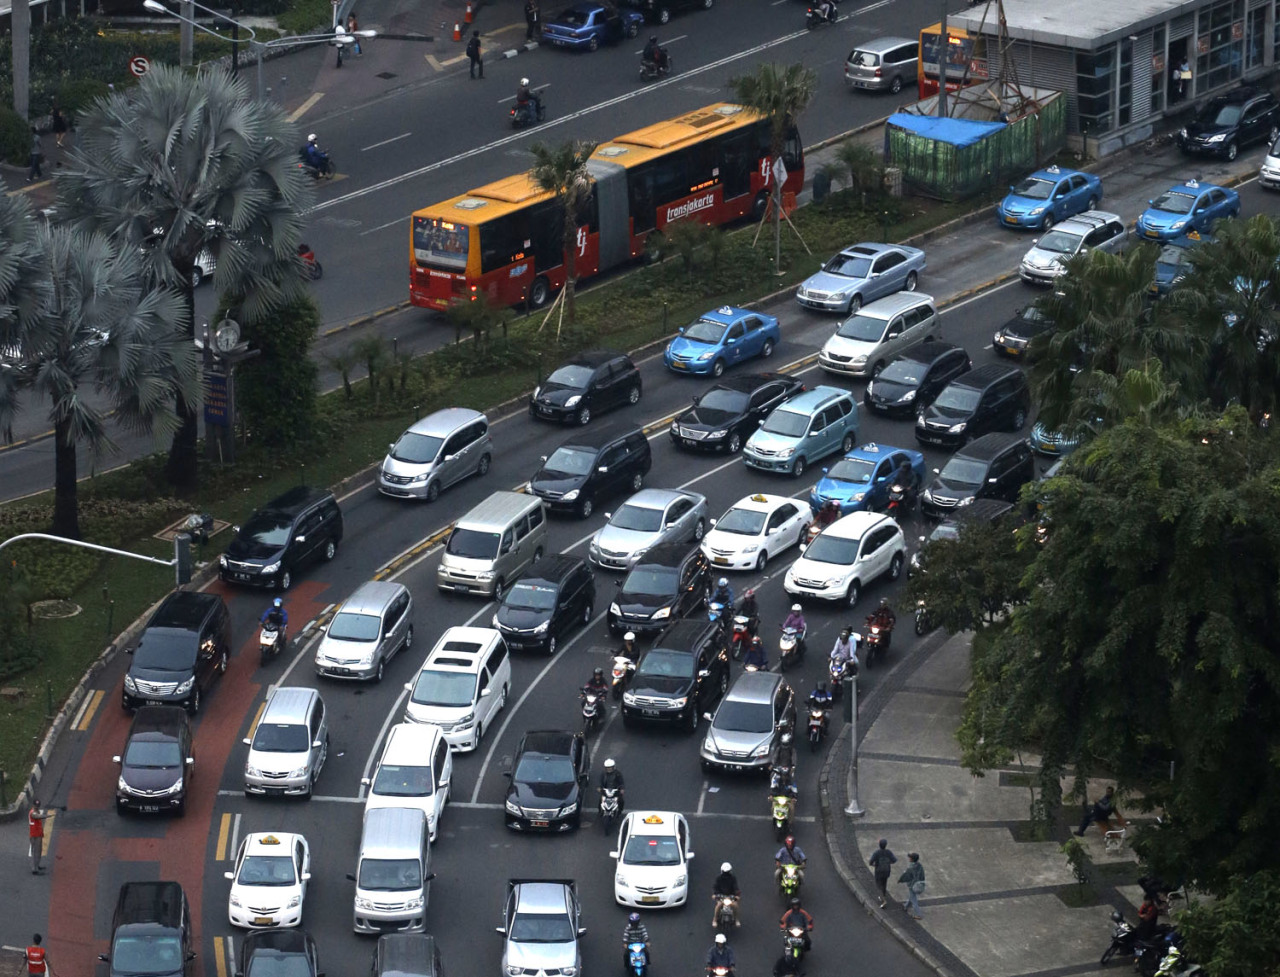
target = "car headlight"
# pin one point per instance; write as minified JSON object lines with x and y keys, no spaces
{"x":682,"y":880}
{"x":717,"y":435}
{"x":707,"y":355}
{"x":514,"y":971}
{"x":222,"y":560}
{"x":998,"y":337}
{"x":512,"y":807}
{"x":299,"y":772}
{"x":129,"y":684}
{"x":762,"y":750}
{"x":957,"y":428}
{"x":680,"y":703}
{"x":620,"y":879}
{"x":927,"y":494}
{"x":1036,"y":210}
{"x":418,"y":478}
{"x":859,"y":360}
{"x":174,"y":787}
{"x":235,"y":900}
{"x":615,"y":610}
{"x":365,"y":659}
{"x":675,"y":427}
{"x":485,"y":575}
{"x":568,"y":971}
{"x":468,"y":718}
{"x":1218,"y":138}
{"x":273,"y":568}
{"x":121,"y":785}
{"x":568,"y":809}
{"x":662,"y":613}
{"x":1177,"y":224}
{"x":414,"y":903}
{"x":629,"y":698}
{"x":542,"y":628}
{"x":968,"y":501}
{"x":251,"y":771}
{"x":536,"y":391}
{"x":571,"y":495}
{"x":832,"y":582}
{"x":1182,"y":133}
{"x":920,"y":421}
{"x":750,"y":549}
{"x":786,"y":452}
{"x":185,"y":687}
{"x":859,"y":496}
{"x":573,"y":401}
{"x":494,"y":622}
{"x":907,"y":397}
{"x":365,"y":904}
{"x":295,"y":902}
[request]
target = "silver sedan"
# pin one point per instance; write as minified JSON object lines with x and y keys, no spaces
{"x":860,"y":274}
{"x":649,"y":517}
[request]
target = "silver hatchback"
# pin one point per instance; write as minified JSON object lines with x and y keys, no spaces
{"x":368,"y":629}
{"x":649,"y":517}
{"x":883,"y":64}
{"x":437,"y":451}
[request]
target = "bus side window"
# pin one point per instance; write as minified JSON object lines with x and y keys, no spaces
{"x":640,"y":190}
{"x":736,"y":158}
{"x":793,"y":151}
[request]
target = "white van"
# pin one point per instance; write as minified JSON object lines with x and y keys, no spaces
{"x":463,"y":685}
{"x":393,"y":875}
{"x":414,"y":771}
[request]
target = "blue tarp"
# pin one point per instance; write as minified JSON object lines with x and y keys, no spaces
{"x":956,"y":132}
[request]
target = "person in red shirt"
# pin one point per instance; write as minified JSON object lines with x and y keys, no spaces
{"x":36,"y":818}
{"x":37,"y":964}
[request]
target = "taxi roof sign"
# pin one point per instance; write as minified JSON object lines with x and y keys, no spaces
{"x":758,"y":498}
{"x":654,"y":819}
{"x":1052,"y":169}
{"x":725,"y":310}
{"x":269,"y":840}
{"x":871,"y":446}
{"x":1194,"y":184}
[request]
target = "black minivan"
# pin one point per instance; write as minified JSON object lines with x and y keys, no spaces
{"x":184,"y":647}
{"x":996,"y":466}
{"x":546,"y":603}
{"x":590,"y":466}
{"x":682,"y":676}
{"x":299,"y":527}
{"x":151,"y":932}
{"x":156,"y":763}
{"x":990,"y":398}
{"x":912,"y":379}
{"x":406,"y":955}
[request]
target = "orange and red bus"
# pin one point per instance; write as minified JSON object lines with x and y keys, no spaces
{"x":505,"y":240}
{"x":959,"y":54}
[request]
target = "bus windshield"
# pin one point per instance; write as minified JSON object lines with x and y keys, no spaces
{"x":440,"y":243}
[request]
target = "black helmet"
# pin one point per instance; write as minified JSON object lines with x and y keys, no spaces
{"x":795,"y":902}
{"x":598,"y":673}
{"x":653,"y":38}
{"x":822,"y":686}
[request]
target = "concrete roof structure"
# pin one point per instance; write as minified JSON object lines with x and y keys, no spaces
{"x":1084,"y":25}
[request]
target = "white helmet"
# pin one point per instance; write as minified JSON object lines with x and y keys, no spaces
{"x":726,"y":867}
{"x":721,"y":939}
{"x":524,"y":81}
{"x":609,"y":764}
{"x":629,"y":636}
{"x":311,"y":138}
{"x":796,"y":608}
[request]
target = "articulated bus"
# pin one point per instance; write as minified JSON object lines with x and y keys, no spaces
{"x":959,"y":54}
{"x":505,"y":240}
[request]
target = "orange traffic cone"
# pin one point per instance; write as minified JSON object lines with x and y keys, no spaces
{"x":470,"y":13}
{"x":457,"y":31}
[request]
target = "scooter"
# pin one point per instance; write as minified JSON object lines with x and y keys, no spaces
{"x":324,"y":169}
{"x":782,"y":806}
{"x":923,"y":624}
{"x":901,"y":502}
{"x":789,"y":883}
{"x":793,"y":943}
{"x":1122,"y":939}
{"x":638,"y":960}
{"x":313,"y":267}
{"x":837,"y":669}
{"x":815,"y":18}
{"x":740,"y":636}
{"x":653,"y":70}
{"x":528,"y":113}
{"x":726,"y":913}
{"x":791,"y":647}
{"x":270,"y":641}
{"x":817,"y":726}
{"x":620,"y":674}
{"x":590,"y":710}
{"x":610,"y":806}
{"x":875,"y":642}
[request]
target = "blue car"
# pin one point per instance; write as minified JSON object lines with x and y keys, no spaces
{"x":862,"y":478}
{"x":1186,"y":207}
{"x":1048,"y":196}
{"x":720,"y":339}
{"x":1173,"y":262}
{"x":585,"y":26}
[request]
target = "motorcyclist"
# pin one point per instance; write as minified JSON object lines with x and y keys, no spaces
{"x":828,"y":514}
{"x":796,"y":619}
{"x":820,"y":696}
{"x":785,"y":755}
{"x":612,"y":777}
{"x":845,"y":649}
{"x":756,"y":656}
{"x":628,"y":649}
{"x":634,"y":932}
{"x":789,"y":854}
{"x":750,"y":609}
{"x":796,"y":917}
{"x":726,"y":884}
{"x":786,"y":966}
{"x":314,"y":156}
{"x":828,"y":10}
{"x":597,"y":685}
{"x":782,"y":782}
{"x":277,"y":617}
{"x":654,"y":53}
{"x":723,"y":594}
{"x":906,"y":477}
{"x":884,"y":619}
{"x":525,"y":95}
{"x":720,"y":954}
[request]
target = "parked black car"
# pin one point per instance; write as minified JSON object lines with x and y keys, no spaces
{"x":669,"y":581}
{"x":547,"y":781}
{"x":726,"y":415}
{"x":406,"y":955}
{"x":151,"y":932}
{"x":1015,"y":336}
{"x":911,"y":380}
{"x":684,"y":674}
{"x":990,"y":398}
{"x":273,"y":953}
{"x":1227,"y":124}
{"x":545,"y":604}
{"x":660,"y":11}
{"x":184,"y":647}
{"x":590,"y":466}
{"x":156,"y":763}
{"x":286,"y":534}
{"x":995,"y":466}
{"x":589,"y":384}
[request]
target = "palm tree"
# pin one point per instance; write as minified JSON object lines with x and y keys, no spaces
{"x":22,"y":289}
{"x":99,"y":343}
{"x":562,"y":171}
{"x":779,"y":95}
{"x":180,"y":164}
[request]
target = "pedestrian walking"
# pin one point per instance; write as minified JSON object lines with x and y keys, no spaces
{"x":1103,"y":810}
{"x":37,"y":960}
{"x":914,"y":879}
{"x":37,"y":157}
{"x":353,"y":25}
{"x":36,"y":817}
{"x":882,"y":862}
{"x":532,"y":18}
{"x":59,"y":126}
{"x":473,"y":52}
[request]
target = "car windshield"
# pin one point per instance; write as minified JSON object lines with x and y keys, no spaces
{"x":267,"y":870}
{"x":637,"y":518}
{"x":416,"y":449}
{"x":864,"y":59}
{"x":865,"y":328}
{"x":654,"y":581}
{"x":390,"y":874}
{"x":856,"y":470}
{"x":573,"y":17}
{"x":391,"y":781}
{"x":574,"y":375}
{"x":146,"y":954}
{"x":1034,"y":315}
{"x":1172,"y":254}
{"x":906,"y":372}
{"x":958,"y":398}
{"x":142,"y":753}
{"x":745,"y":522}
{"x":272,"y":963}
{"x":543,"y":768}
{"x":1218,"y":113}
{"x":569,"y":461}
{"x":350,"y":626}
{"x":166,"y":651}
{"x":788,"y":423}
{"x":729,"y":401}
{"x":541,"y":928}
{"x":268,"y":529}
{"x":666,"y":664}
{"x":848,"y":266}
{"x":435,"y":688}
{"x":472,"y":544}
{"x":531,"y":597}
{"x":945,"y":530}
{"x":1034,"y":187}
{"x":281,"y":738}
{"x":705,"y":331}
{"x":440,"y":242}
{"x":735,"y":716}
{"x":963,"y":472}
{"x":1174,"y":202}
{"x":833,"y":549}
{"x":650,"y":850}
{"x":1059,"y":242}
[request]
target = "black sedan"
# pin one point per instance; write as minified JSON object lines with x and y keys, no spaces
{"x":1013,"y":338}
{"x":546,"y":603}
{"x":278,"y":953}
{"x":912,"y":379}
{"x":726,"y":415}
{"x":547,"y":781}
{"x":593,"y":381}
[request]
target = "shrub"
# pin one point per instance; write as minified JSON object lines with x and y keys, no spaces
{"x":276,"y":391}
{"x":15,"y":137}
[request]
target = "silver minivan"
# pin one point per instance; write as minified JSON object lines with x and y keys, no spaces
{"x":289,"y":745}
{"x":493,"y":544}
{"x":370,"y":627}
{"x":748,"y":723}
{"x":867,"y":340}
{"x":393,"y":875}
{"x":883,"y":64}
{"x":437,"y":451}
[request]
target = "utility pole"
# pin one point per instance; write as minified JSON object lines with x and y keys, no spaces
{"x":853,"y":809}
{"x":186,"y":35}
{"x":944,"y":59}
{"x":21,"y":20}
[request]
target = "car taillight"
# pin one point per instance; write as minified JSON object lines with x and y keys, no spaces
{"x":877,"y":72}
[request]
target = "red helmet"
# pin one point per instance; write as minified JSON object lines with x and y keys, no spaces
{"x":790,"y":841}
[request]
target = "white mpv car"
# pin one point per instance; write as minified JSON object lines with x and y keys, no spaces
{"x":849,"y":554}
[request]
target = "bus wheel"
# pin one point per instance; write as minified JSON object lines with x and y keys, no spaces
{"x":760,"y":206}
{"x":539,"y":292}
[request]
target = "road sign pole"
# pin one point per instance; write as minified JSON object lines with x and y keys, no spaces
{"x":853,"y":809}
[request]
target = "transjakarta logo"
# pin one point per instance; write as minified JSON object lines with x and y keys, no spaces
{"x":691,"y":206}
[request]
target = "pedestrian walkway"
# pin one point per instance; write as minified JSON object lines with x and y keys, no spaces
{"x":993,"y":905}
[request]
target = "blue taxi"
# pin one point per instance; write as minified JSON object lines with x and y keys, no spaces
{"x":1188,"y":206}
{"x":721,"y":338}
{"x":1048,"y":196}
{"x":862,"y":478}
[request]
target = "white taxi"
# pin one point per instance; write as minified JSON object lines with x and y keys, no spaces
{"x":653,"y":860}
{"x":754,"y":530}
{"x":269,"y":884}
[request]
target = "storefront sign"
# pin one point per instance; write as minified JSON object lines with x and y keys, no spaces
{"x":216,"y":406}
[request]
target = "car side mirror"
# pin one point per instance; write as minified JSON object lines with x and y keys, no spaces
{"x":603,"y":469}
{"x":391,"y":446}
{"x":408,"y":686}
{"x":803,"y":547}
{"x":825,"y":470}
{"x":613,"y":854}
{"x":507,"y":774}
{"x":485,"y":691}
{"x":300,"y":539}
{"x":190,"y":761}
{"x":730,"y":342}
{"x":192,"y":956}
{"x":316,"y":744}
{"x":689,"y":855}
{"x":115,"y":759}
{"x":582,"y":931}
{"x":680,"y":331}
{"x":707,"y":716}
{"x":246,"y":741}
{"x":544,"y":457}
{"x":228,"y":875}
{"x":104,"y":958}
{"x":129,"y":651}
{"x":350,"y":877}
{"x":306,"y":876}
{"x":500,"y":929}
{"x":703,"y":673}
{"x":607,"y":515}
{"x":430,"y":876}
{"x":992,"y":481}
{"x":449,"y":457}
{"x":937,"y":472}
{"x":365,"y":781}
{"x":235,"y":529}
{"x":697,"y":399}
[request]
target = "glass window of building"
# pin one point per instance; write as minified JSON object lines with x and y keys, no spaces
{"x":1095,"y":82}
{"x":1159,"y":69}
{"x":1219,"y":44}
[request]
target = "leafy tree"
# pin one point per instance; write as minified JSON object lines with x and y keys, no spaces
{"x":1147,"y":645}
{"x":178,"y":164}
{"x":23,"y":289}
{"x":276,"y":391}
{"x":1236,"y":935}
{"x":562,"y":172}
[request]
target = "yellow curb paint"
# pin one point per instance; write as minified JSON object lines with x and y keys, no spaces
{"x":224,"y":832}
{"x":306,"y":106}
{"x":95,"y":700}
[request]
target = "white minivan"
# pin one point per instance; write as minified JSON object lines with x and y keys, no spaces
{"x":462,"y":686}
{"x":414,"y":771}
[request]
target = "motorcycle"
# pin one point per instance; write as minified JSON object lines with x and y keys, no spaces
{"x":740,"y":636}
{"x":726,"y":912}
{"x":313,"y":267}
{"x":791,"y":647}
{"x":789,"y":883}
{"x":901,"y":502}
{"x":610,"y":806}
{"x":528,"y":113}
{"x":651,"y":70}
{"x":793,"y":943}
{"x":817,"y":726}
{"x":637,"y":960}
{"x":837,"y":669}
{"x":316,"y":171}
{"x":875,"y":641}
{"x":923,"y":624}
{"x":270,"y":641}
{"x":590,"y":710}
{"x":720,"y":971}
{"x":1122,"y":939}
{"x":1149,"y":953}
{"x":620,"y":674}
{"x":1174,"y":966}
{"x":815,"y":17}
{"x":782,"y":807}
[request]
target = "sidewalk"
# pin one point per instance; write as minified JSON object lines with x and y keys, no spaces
{"x":992,"y":905}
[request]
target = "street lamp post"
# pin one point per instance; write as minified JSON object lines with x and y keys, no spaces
{"x":853,"y":809}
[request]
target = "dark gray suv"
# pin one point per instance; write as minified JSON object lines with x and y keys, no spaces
{"x":282,"y":537}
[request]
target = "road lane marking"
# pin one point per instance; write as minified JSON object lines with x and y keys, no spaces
{"x":85,"y":716}
{"x":868,"y":8}
{"x":398,"y":222}
{"x":702,"y":797}
{"x":477,"y":806}
{"x":330,"y":798}
{"x":306,"y":106}
{"x":257,"y":717}
{"x":224,"y":955}
{"x":224,"y":829}
{"x":51,"y":817}
{"x":387,"y":142}
{"x":440,"y":65}
{"x":235,"y":836}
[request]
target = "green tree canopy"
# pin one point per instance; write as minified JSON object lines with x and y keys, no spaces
{"x":562,"y":171}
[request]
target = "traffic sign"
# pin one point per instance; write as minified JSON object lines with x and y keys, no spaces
{"x":139,"y":65}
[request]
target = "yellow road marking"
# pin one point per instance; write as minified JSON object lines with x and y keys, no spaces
{"x":86,"y":718}
{"x":257,"y":718}
{"x":306,"y":106}
{"x":224,"y":829}
{"x":439,"y":65}
{"x":219,"y":960}
{"x":48,"y":832}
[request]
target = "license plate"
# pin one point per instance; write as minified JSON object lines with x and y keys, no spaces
{"x":149,"y":808}
{"x":720,"y":560}
{"x":153,"y":702}
{"x":262,"y":920}
{"x":678,"y":365}
{"x":241,"y":576}
{"x":650,"y":900}
{"x":538,"y":824}
{"x":649,"y":712}
{"x":1011,"y":350}
{"x":1011,"y":220}
{"x":1152,"y":233}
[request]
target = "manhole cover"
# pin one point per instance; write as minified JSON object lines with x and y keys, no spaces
{"x":54,"y":609}
{"x":385,"y":75}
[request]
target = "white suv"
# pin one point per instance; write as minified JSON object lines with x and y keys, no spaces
{"x":462,"y":686}
{"x":414,"y":771}
{"x":846,"y":556}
